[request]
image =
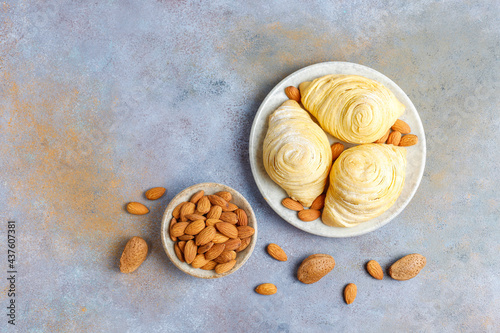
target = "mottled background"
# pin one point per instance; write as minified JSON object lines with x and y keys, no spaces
{"x":101,"y":100}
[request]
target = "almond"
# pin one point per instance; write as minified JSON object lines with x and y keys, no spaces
{"x":197,"y":196}
{"x":137,"y":208}
{"x":375,"y":270}
{"x":178,"y":228}
{"x":195,"y":227}
{"x":293,"y":93}
{"x":407,"y":267}
{"x":212,"y":222}
{"x":244,"y":244}
{"x":242,"y":217}
{"x":276,"y":252}
{"x":214,"y":212}
{"x":350,"y":292}
{"x":195,"y":217}
{"x":185,"y":237}
{"x":225,"y":195}
{"x":245,"y":231}
{"x":230,"y":207}
{"x":178,"y":252}
{"x":319,"y":202}
{"x":205,"y":248}
{"x":177,"y":210}
{"x":219,"y":238}
{"x":203,"y":205}
{"x":226,"y":267}
{"x":394,"y":138}
{"x":384,"y":138}
{"x":190,"y":251}
{"x":134,"y":254}
{"x":337,"y":149}
{"x":232,"y":244}
{"x":181,"y":245}
{"x":229,"y":217}
{"x":401,"y":127}
{"x":205,"y":236}
{"x":225,"y":256}
{"x":186,"y":209}
{"x":227,"y":229}
{"x":199,"y":261}
{"x":266,"y":289}
{"x":292,"y":204}
{"x":226,"y":206}
{"x":408,"y":140}
{"x":215,"y":251}
{"x":308,"y":215}
{"x":172,"y":222}
{"x":209,"y":265}
{"x":155,"y":193}
{"x":315,"y":267}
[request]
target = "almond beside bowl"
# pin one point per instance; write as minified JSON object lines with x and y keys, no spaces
{"x":184,"y":196}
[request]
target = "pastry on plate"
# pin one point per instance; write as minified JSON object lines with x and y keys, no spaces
{"x":365,"y":181}
{"x":352,"y":108}
{"x":297,"y":154}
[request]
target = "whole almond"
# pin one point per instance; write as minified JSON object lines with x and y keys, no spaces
{"x":178,"y":228}
{"x":384,"y":138}
{"x":181,"y":245}
{"x":225,"y":256}
{"x":137,"y":208}
{"x":408,"y":140}
{"x":276,"y":252}
{"x":178,"y":252}
{"x":242,"y":217}
{"x":199,"y":261}
{"x":292,"y":204}
{"x":209,"y":265}
{"x":401,"y":127}
{"x":225,"y":195}
{"x":407,"y":267}
{"x":177,"y":210}
{"x":350,"y":292}
{"x":205,"y":236}
{"x":319,"y":202}
{"x":195,"y":227}
{"x":215,"y":251}
{"x":226,"y":267}
{"x":227,"y":229}
{"x":266,"y":289}
{"x":293,"y":93}
{"x":232,"y":244}
{"x":245,"y":231}
{"x":195,"y":217}
{"x":214,"y":212}
{"x":394,"y":138}
{"x":229,"y":217}
{"x":375,"y":270}
{"x":337,"y":149}
{"x":308,"y":215}
{"x":197,"y":196}
{"x":190,"y":251}
{"x":203,"y":205}
{"x":155,"y":193}
{"x":216,"y":200}
{"x":134,"y":254}
{"x":244,"y":244}
{"x":172,"y":222}
{"x":212,"y":222}
{"x":205,"y":248}
{"x":231,"y":207}
{"x":219,"y":238}
{"x":315,"y":267}
{"x":185,"y":237}
{"x":186,"y":209}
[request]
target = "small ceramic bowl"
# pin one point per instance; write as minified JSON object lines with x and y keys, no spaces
{"x":185,"y":195}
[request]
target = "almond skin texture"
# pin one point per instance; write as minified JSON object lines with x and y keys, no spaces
{"x":203,"y":205}
{"x":186,"y":209}
{"x":134,"y":254}
{"x":244,"y":244}
{"x":293,"y":93}
{"x":350,"y":292}
{"x":245,"y":231}
{"x":308,"y":215}
{"x":225,"y":195}
{"x":225,"y":256}
{"x":319,"y":202}
{"x":227,"y":229}
{"x":315,"y":267}
{"x":172,"y":222}
{"x":337,"y":149}
{"x":215,"y":251}
{"x":137,"y":208}
{"x":394,"y":138}
{"x":178,"y":252}
{"x":242,"y":217}
{"x":205,"y":236}
{"x":225,"y":267}
{"x":232,"y":244}
{"x":401,"y":127}
{"x":407,"y":267}
{"x":186,"y":237}
{"x":195,"y":217}
{"x":229,"y":217}
{"x":195,"y":227}
{"x":212,"y":222}
{"x":178,"y":228}
{"x":384,"y":138}
{"x":214,"y":212}
{"x":276,"y":252}
{"x":216,"y":200}
{"x":197,"y":196}
{"x":219,"y":238}
{"x":375,"y":270}
{"x":177,"y":210}
{"x":205,"y":248}
{"x":209,"y":265}
{"x":292,"y":204}
{"x":408,"y":140}
{"x":266,"y":289}
{"x":199,"y":261}
{"x":155,"y":193}
{"x":190,"y":251}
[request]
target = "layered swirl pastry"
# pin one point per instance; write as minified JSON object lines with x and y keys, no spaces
{"x":365,"y":181}
{"x":296,"y":153}
{"x":352,"y":108}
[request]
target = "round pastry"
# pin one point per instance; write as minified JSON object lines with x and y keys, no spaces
{"x":365,"y":181}
{"x":352,"y":108}
{"x":297,"y":154}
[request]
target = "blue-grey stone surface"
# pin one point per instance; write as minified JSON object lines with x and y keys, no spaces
{"x":101,"y":100}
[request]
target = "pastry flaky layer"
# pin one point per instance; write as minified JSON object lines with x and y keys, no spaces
{"x":297,"y":155}
{"x":352,"y":108}
{"x":364,"y":182}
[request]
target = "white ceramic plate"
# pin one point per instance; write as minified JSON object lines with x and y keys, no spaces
{"x":273,"y":194}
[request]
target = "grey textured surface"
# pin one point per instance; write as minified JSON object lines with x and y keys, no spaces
{"x":100,"y":101}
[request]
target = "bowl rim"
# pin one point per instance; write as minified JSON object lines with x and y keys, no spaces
{"x":185,"y":195}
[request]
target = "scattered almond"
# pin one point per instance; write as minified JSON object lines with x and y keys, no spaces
{"x":407,"y":267}
{"x":137,"y":208}
{"x":276,"y":252}
{"x":408,"y":140}
{"x":401,"y":127}
{"x":384,"y":138}
{"x":308,"y":215}
{"x":394,"y":138}
{"x":319,"y":202}
{"x":134,"y":254}
{"x":292,"y":204}
{"x":375,"y":270}
{"x":350,"y":292}
{"x":337,"y":149}
{"x":155,"y":193}
{"x":293,"y":93}
{"x":226,"y":267}
{"x":266,"y":289}
{"x":197,"y":196}
{"x":315,"y":267}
